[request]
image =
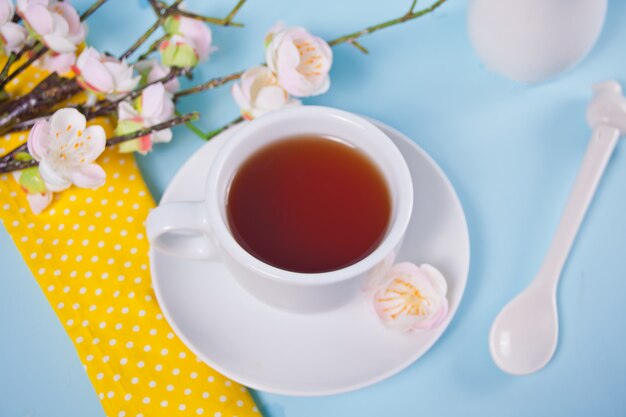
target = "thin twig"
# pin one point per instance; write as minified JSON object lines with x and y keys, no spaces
{"x":227,"y":21}
{"x":153,"y":47}
{"x":208,"y":19}
{"x":210,"y":135}
{"x":229,"y":18}
{"x":106,"y":106}
{"x":141,"y":40}
{"x":160,"y":18}
{"x":212,"y":83}
{"x":92,"y":9}
{"x":36,"y":55}
{"x":358,"y":46}
{"x":5,"y":70}
{"x":161,"y":126}
{"x":195,"y":129}
{"x":371,"y":29}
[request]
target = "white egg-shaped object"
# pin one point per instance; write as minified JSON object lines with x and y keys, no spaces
{"x":533,"y":40}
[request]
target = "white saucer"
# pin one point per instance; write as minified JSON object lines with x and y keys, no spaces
{"x":339,"y":351}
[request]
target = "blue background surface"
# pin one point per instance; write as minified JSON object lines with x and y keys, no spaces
{"x":511,"y":151}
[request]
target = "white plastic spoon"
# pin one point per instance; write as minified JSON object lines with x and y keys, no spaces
{"x":523,"y":337}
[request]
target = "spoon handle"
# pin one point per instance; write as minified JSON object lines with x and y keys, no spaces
{"x":601,"y":146}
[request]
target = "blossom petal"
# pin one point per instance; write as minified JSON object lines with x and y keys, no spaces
{"x":54,"y":181}
{"x":38,"y":202}
{"x":242,"y":100}
{"x":198,"y":33}
{"x":122,"y":74}
{"x":88,"y":176}
{"x":126,"y":112}
{"x":162,"y":136}
{"x":436,"y":278}
{"x":88,"y":53}
{"x":14,"y":36}
{"x":94,"y":143}
{"x":59,"y":63}
{"x":59,"y":43}
{"x":39,"y":139}
{"x":271,"y":98}
{"x":66,"y":123}
{"x":6,"y":11}
{"x":152,"y":99}
{"x":96,"y":74}
{"x":70,"y":15}
{"x":39,"y":18}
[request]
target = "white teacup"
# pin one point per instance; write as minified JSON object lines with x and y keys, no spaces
{"x":199,"y":230}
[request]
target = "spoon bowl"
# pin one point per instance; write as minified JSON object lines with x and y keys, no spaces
{"x":524,"y":336}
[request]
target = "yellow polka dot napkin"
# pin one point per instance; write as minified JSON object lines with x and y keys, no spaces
{"x":89,"y":253}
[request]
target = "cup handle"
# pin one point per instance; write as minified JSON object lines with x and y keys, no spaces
{"x":181,"y":229}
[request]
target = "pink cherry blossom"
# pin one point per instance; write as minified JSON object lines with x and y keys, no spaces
{"x":258,"y":92}
{"x":12,"y":35}
{"x":300,"y":60}
{"x":56,"y":24}
{"x":154,"y":106}
{"x":101,"y":74}
{"x":412,"y":298}
{"x":66,"y":150}
{"x":152,"y":70}
{"x":195,"y":33}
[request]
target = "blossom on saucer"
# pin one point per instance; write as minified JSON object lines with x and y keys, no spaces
{"x":190,"y":42}
{"x":154,"y":106}
{"x":12,"y":35}
{"x":101,"y":74}
{"x":37,"y":195}
{"x":152,"y":70}
{"x":258,"y":92}
{"x":66,"y":150}
{"x":300,"y":60}
{"x":413,"y":297}
{"x":55,"y":24}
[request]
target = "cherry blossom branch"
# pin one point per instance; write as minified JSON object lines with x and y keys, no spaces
{"x":101,"y":108}
{"x":10,"y":163}
{"x":51,"y":91}
{"x":411,"y":14}
{"x":350,"y":38}
{"x":106,"y":106}
{"x":212,"y":83}
{"x":39,"y":49}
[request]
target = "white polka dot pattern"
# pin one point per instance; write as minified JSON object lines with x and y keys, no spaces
{"x":89,"y":253}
